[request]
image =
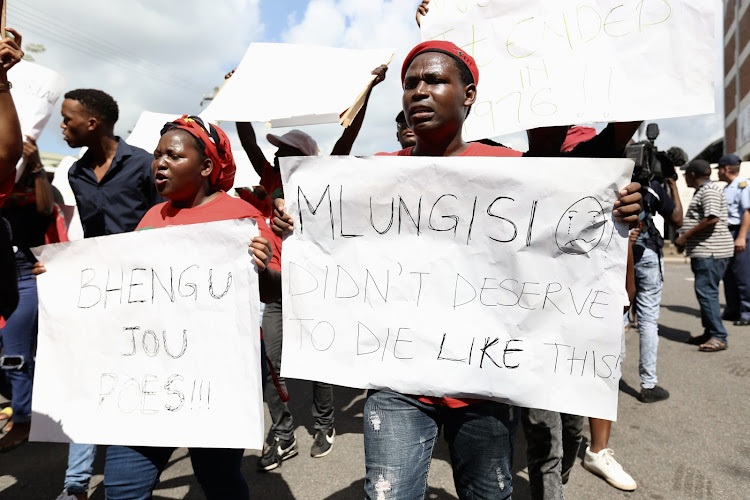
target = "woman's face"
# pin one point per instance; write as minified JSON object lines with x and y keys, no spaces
{"x":180,"y":173}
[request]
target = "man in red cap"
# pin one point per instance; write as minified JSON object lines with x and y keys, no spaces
{"x":400,"y":431}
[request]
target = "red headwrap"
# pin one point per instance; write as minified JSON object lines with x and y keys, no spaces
{"x":215,"y":146}
{"x":448,"y":48}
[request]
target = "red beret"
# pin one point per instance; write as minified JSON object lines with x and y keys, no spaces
{"x":448,"y":48}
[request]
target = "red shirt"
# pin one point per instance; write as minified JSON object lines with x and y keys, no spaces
{"x":474,"y":149}
{"x":223,"y":207}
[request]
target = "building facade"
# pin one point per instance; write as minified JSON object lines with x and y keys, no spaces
{"x":737,"y":77}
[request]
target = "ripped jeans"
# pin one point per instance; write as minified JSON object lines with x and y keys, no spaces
{"x":400,"y":433}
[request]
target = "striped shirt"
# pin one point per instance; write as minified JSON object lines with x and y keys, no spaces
{"x":717,"y":241}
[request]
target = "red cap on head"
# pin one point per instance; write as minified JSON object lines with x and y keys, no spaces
{"x":448,"y":48}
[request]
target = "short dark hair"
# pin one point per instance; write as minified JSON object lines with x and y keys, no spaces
{"x":401,"y":117}
{"x":97,"y":103}
{"x":700,"y":168}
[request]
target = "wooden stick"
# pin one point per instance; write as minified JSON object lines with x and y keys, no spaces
{"x":2,"y":18}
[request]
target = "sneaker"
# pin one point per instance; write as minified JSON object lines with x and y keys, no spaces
{"x":603,"y":464}
{"x":65,"y":495}
{"x":274,"y":454}
{"x":323,"y":443}
{"x":653,"y":395}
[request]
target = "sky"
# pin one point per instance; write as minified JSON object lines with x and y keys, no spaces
{"x":165,"y":56}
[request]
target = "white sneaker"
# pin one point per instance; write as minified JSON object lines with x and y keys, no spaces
{"x":604,"y":464}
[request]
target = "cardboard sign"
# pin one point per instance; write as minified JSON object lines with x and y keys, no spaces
{"x":460,"y":277}
{"x":562,"y":62}
{"x":144,"y":337}
{"x":266,"y":87}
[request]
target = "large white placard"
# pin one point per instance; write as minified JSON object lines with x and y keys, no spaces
{"x":266,"y":87}
{"x":35,"y":91}
{"x":146,"y":337}
{"x":498,"y":278}
{"x":561,"y":62}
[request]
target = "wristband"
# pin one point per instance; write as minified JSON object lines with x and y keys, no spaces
{"x":5,"y":86}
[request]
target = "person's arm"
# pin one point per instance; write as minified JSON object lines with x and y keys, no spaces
{"x":269,"y":280}
{"x":706,"y":224}
{"x":623,"y":133}
{"x":250,"y":145}
{"x":546,"y":141}
{"x":11,"y":139}
{"x":741,"y":241}
{"x":630,"y":269}
{"x":344,"y":145}
{"x":43,"y":190}
{"x":675,"y":218}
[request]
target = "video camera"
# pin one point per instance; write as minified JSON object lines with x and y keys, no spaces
{"x":652,"y":164}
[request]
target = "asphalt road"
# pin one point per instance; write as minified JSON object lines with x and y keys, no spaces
{"x":695,"y":445}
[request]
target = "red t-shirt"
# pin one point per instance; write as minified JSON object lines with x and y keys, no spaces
{"x":474,"y":149}
{"x":223,"y":207}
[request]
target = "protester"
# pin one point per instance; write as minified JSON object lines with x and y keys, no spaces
{"x":29,"y":211}
{"x":737,"y":275}
{"x":709,"y":246}
{"x":649,"y":278}
{"x":404,"y":134}
{"x":193,"y":167}
{"x":114,"y":187}
{"x":11,"y":149}
{"x":439,"y":83}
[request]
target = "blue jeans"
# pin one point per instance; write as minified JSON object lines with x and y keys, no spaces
{"x":708,"y":273}
{"x":18,"y":343}
{"x":648,"y":286}
{"x":80,"y":467}
{"x":131,"y":473}
{"x":400,"y":433}
{"x":737,"y":284}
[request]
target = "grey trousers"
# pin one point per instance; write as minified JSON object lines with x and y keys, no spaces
{"x":552,"y":442}
{"x":282,"y":425}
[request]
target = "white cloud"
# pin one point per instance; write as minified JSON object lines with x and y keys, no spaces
{"x":148,"y":55}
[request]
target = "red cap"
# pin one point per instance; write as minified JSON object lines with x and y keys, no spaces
{"x":448,"y":48}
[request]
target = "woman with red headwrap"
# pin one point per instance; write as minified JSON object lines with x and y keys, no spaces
{"x":193,"y":168}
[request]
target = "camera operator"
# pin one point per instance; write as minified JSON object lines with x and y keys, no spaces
{"x":737,"y":275}
{"x":652,"y":168}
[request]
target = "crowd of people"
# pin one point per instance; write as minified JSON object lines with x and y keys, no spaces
{"x":188,"y":179}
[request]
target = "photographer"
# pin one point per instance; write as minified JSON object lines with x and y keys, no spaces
{"x":652,"y":168}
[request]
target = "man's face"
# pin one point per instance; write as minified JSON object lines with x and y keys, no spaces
{"x":690,"y":179}
{"x":284,"y":151}
{"x":405,"y":135}
{"x":434,"y":98}
{"x":77,"y":123}
{"x":723,"y":174}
